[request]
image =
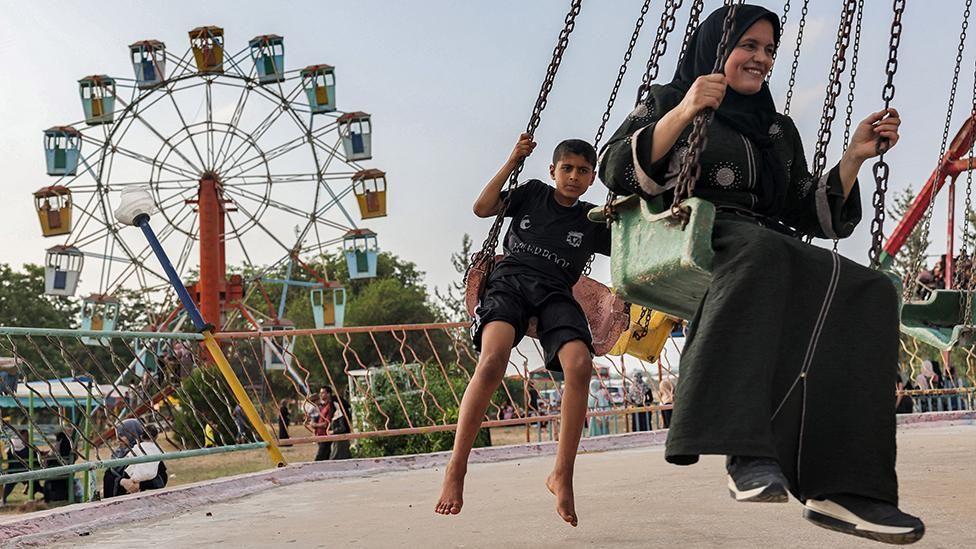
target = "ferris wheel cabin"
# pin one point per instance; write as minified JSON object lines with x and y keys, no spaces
{"x":208,"y":48}
{"x":62,"y":148}
{"x":328,"y":305}
{"x":97,"y":98}
{"x":369,"y":187}
{"x":62,"y":267}
{"x":99,"y":313}
{"x":319,"y":84}
{"x":149,"y":63}
{"x":53,"y":205}
{"x":361,"y":250}
{"x":278,"y":349}
{"x":357,"y":131}
{"x":268,"y":53}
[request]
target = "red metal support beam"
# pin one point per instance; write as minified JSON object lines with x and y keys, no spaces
{"x":951,"y":165}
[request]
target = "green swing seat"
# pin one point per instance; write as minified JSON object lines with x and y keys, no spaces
{"x":939,"y":320}
{"x":655,"y":261}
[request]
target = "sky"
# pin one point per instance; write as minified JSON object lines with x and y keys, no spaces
{"x":450,"y":86}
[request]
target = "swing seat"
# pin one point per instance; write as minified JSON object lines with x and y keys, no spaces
{"x":605,"y":312}
{"x":649,"y":346}
{"x":655,"y":261}
{"x":938,"y":321}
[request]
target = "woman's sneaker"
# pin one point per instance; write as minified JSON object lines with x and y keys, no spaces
{"x":864,"y":517}
{"x":756,"y":480}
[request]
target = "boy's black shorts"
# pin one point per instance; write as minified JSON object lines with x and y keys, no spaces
{"x":516,"y":299}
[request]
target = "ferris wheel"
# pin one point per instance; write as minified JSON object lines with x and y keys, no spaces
{"x":248,"y":163}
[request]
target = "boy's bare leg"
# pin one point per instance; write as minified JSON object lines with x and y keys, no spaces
{"x":577,"y":369}
{"x":496,"y":346}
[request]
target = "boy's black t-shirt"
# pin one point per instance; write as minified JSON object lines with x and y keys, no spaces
{"x":548,"y":240}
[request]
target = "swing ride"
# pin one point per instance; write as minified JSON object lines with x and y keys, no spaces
{"x":661,"y":254}
{"x":238,"y":151}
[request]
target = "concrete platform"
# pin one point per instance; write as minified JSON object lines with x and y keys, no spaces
{"x":625,"y":498}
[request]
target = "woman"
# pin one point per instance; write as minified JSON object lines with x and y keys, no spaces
{"x":284,"y":420}
{"x":791,"y":357}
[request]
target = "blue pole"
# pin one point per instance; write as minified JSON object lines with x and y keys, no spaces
{"x":188,"y":305}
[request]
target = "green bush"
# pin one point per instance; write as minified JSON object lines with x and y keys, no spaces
{"x":419,"y":405}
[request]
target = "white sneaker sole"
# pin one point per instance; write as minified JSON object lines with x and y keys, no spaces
{"x":771,"y":493}
{"x":830,"y":515}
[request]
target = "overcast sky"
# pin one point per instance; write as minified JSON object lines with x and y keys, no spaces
{"x":450,"y":85}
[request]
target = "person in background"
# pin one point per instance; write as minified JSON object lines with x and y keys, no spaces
{"x":339,"y":426}
{"x":904,"y":403}
{"x":128,"y":433}
{"x":284,"y":419}
{"x":599,"y":400}
{"x":240,"y":421}
{"x":320,"y":427}
{"x":640,"y":395}
{"x":209,"y":439}
{"x":150,"y":475}
{"x":18,"y":456}
{"x":666,"y":391}
{"x":56,"y":489}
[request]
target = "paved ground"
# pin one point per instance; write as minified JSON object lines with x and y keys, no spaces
{"x":627,"y":498}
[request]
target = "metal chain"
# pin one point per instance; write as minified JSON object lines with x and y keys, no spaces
{"x":853,"y":78}
{"x":659,"y":48}
{"x":782,"y":28}
{"x":796,"y":56}
{"x":838,"y":64}
{"x":643,"y":324}
{"x":880,"y":168}
{"x":620,"y":73}
{"x":967,"y":213}
{"x":610,"y":102}
{"x":916,"y":264}
{"x":698,"y":140}
{"x":693,"y":17}
{"x":485,"y":258}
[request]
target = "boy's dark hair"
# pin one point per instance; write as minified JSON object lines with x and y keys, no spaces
{"x":574,"y":146}
{"x":150,"y":432}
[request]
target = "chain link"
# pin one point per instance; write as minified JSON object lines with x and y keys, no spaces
{"x":796,"y":56}
{"x":849,"y":113}
{"x":698,"y":140}
{"x":620,"y":74}
{"x":967,"y":212}
{"x":485,"y":259}
{"x":916,"y":260}
{"x":838,"y":65}
{"x":659,"y":48}
{"x":880,"y":168}
{"x":693,"y":17}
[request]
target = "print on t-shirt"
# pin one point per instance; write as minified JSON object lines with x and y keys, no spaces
{"x":548,"y":240}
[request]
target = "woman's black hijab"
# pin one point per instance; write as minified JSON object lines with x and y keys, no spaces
{"x":750,"y":115}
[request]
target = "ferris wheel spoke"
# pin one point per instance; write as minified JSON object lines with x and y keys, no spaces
{"x":183,"y":63}
{"x":139,"y":259}
{"x":210,"y":128}
{"x":262,"y":227}
{"x":152,"y":129}
{"x":323,"y":245}
{"x":243,"y":193}
{"x":265,"y":125}
{"x":240,"y":243}
{"x":235,"y":119}
{"x":186,"y":129}
{"x":187,"y":247}
{"x":173,"y":169}
{"x":233,"y":62}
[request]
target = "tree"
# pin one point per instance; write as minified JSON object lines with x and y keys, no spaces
{"x":452,"y":302}
{"x":917,"y":244}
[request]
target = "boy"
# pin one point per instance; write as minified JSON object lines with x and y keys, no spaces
{"x":547,"y":247}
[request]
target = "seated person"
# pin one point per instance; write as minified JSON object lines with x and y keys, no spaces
{"x":790,"y":340}
{"x":548,"y":245}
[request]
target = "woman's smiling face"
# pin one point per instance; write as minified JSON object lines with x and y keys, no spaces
{"x":751,"y":59}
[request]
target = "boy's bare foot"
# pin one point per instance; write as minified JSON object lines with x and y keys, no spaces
{"x":561,"y":486}
{"x":451,"y":493}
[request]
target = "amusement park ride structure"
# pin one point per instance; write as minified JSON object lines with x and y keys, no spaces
{"x":214,"y":164}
